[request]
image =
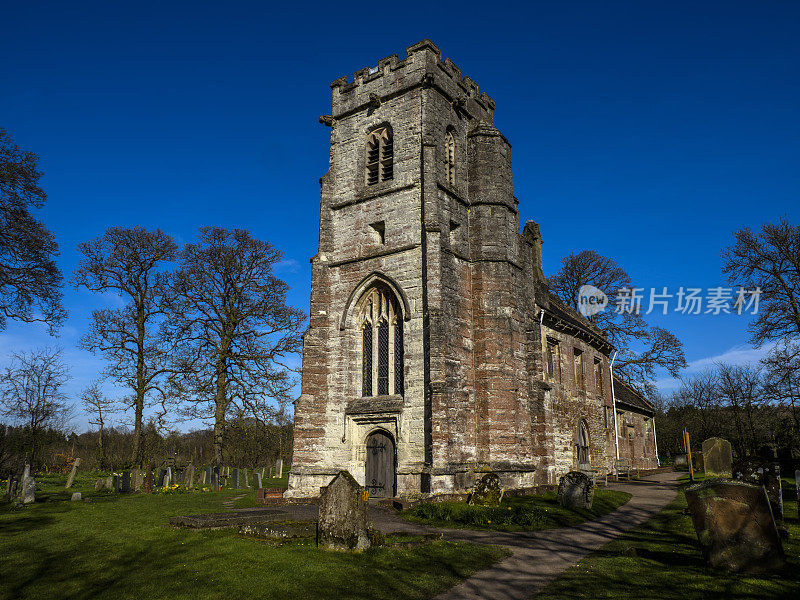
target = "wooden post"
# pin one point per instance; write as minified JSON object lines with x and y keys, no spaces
{"x":688,"y":446}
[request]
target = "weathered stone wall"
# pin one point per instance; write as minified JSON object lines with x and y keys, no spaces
{"x":636,"y":438}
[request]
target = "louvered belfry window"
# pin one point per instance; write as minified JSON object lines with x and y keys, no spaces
{"x":380,"y":155}
{"x":382,"y":343}
{"x":450,"y":157}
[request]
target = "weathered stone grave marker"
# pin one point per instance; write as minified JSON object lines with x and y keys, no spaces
{"x":246,"y":480}
{"x":698,"y":463}
{"x":71,"y":478}
{"x":487,"y":491}
{"x":257,"y":480}
{"x":279,"y":468}
{"x":235,"y":479}
{"x":125,"y":482}
{"x":189,"y":477}
{"x":717,"y":457}
{"x":575,"y":490}
{"x":116,"y":483}
{"x":28,"y":486}
{"x":110,"y":482}
{"x":138,"y":479}
{"x":76,"y":497}
{"x":734,"y":526}
{"x":342,"y":521}
{"x":147,"y":487}
{"x":759,"y":472}
{"x":99,"y":485}
{"x":681,"y":461}
{"x":215,"y":482}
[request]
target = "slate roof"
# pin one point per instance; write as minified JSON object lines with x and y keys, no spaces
{"x":625,"y":394}
{"x":558,"y":314}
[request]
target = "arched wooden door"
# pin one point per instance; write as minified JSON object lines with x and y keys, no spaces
{"x":380,"y":470}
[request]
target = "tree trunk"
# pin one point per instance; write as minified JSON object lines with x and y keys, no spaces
{"x":136,"y":454}
{"x":221,"y":405}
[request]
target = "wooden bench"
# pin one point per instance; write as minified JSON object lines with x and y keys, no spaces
{"x":623,"y":468}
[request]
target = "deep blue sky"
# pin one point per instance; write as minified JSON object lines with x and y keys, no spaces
{"x":648,"y":131}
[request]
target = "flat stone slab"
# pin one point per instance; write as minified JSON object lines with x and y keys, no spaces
{"x":281,"y":530}
{"x":245,"y":516}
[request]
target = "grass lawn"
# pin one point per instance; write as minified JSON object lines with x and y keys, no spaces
{"x":523,"y":513}
{"x":661,"y":559}
{"x":120,"y":547}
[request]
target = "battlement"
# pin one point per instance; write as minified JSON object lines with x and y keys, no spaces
{"x":423,"y":64}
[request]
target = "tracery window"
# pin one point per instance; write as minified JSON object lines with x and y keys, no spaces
{"x":381,"y":325}
{"x":582,"y":445}
{"x":450,"y":157}
{"x":380,"y":155}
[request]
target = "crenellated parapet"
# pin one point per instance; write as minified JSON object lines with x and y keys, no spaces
{"x":423,"y":66}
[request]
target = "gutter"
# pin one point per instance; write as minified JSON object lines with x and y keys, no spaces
{"x":614,"y":404}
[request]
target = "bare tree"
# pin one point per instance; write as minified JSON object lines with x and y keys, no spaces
{"x":782,"y":381}
{"x":31,"y":394}
{"x":30,"y":281}
{"x":740,"y":387}
{"x":642,"y":349}
{"x":130,"y":262}
{"x":769,"y":260}
{"x":100,"y":408}
{"x":237,"y":331}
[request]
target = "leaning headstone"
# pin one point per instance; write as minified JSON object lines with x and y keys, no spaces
{"x":125,"y":482}
{"x":235,"y":479}
{"x":188,"y":477}
{"x":28,"y":490}
{"x":487,"y":491}
{"x":99,"y":485}
{"x":681,"y":461}
{"x":342,"y":515}
{"x":279,"y":468}
{"x":717,"y":457}
{"x":575,"y":490}
{"x":768,"y":474}
{"x":257,"y":480}
{"x":215,"y":482}
{"x":71,"y":478}
{"x":734,"y":526}
{"x":76,"y":497}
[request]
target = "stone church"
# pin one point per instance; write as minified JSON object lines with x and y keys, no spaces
{"x":435,"y":350}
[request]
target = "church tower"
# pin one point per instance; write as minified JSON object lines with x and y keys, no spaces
{"x":423,"y":343}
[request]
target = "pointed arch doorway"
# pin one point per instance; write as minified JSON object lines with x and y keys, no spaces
{"x":380,"y":474}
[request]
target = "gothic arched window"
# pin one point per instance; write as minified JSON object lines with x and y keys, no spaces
{"x":582,"y":444}
{"x":380,"y":155}
{"x":450,"y":157}
{"x":381,"y":325}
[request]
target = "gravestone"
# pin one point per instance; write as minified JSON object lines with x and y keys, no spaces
{"x":697,"y":462}
{"x":681,"y":461}
{"x":189,"y":477}
{"x":14,"y":489}
{"x":235,"y":479}
{"x":168,"y":477}
{"x":246,"y":481}
{"x":162,"y":474}
{"x":279,"y":468}
{"x":342,"y":521}
{"x":717,"y":457}
{"x":147,"y":487}
{"x":76,"y":497}
{"x":71,"y":478}
{"x":734,"y":526}
{"x":271,"y":472}
{"x":117,"y":483}
{"x":797,"y":485}
{"x":768,"y":474}
{"x":257,"y":480}
{"x":99,"y":485}
{"x":138,"y":480}
{"x":110,"y":482}
{"x":125,"y":482}
{"x":28,"y":489}
{"x":487,"y":491}
{"x":215,"y":482}
{"x":263,"y":471}
{"x":575,"y":490}
{"x":206,"y":476}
